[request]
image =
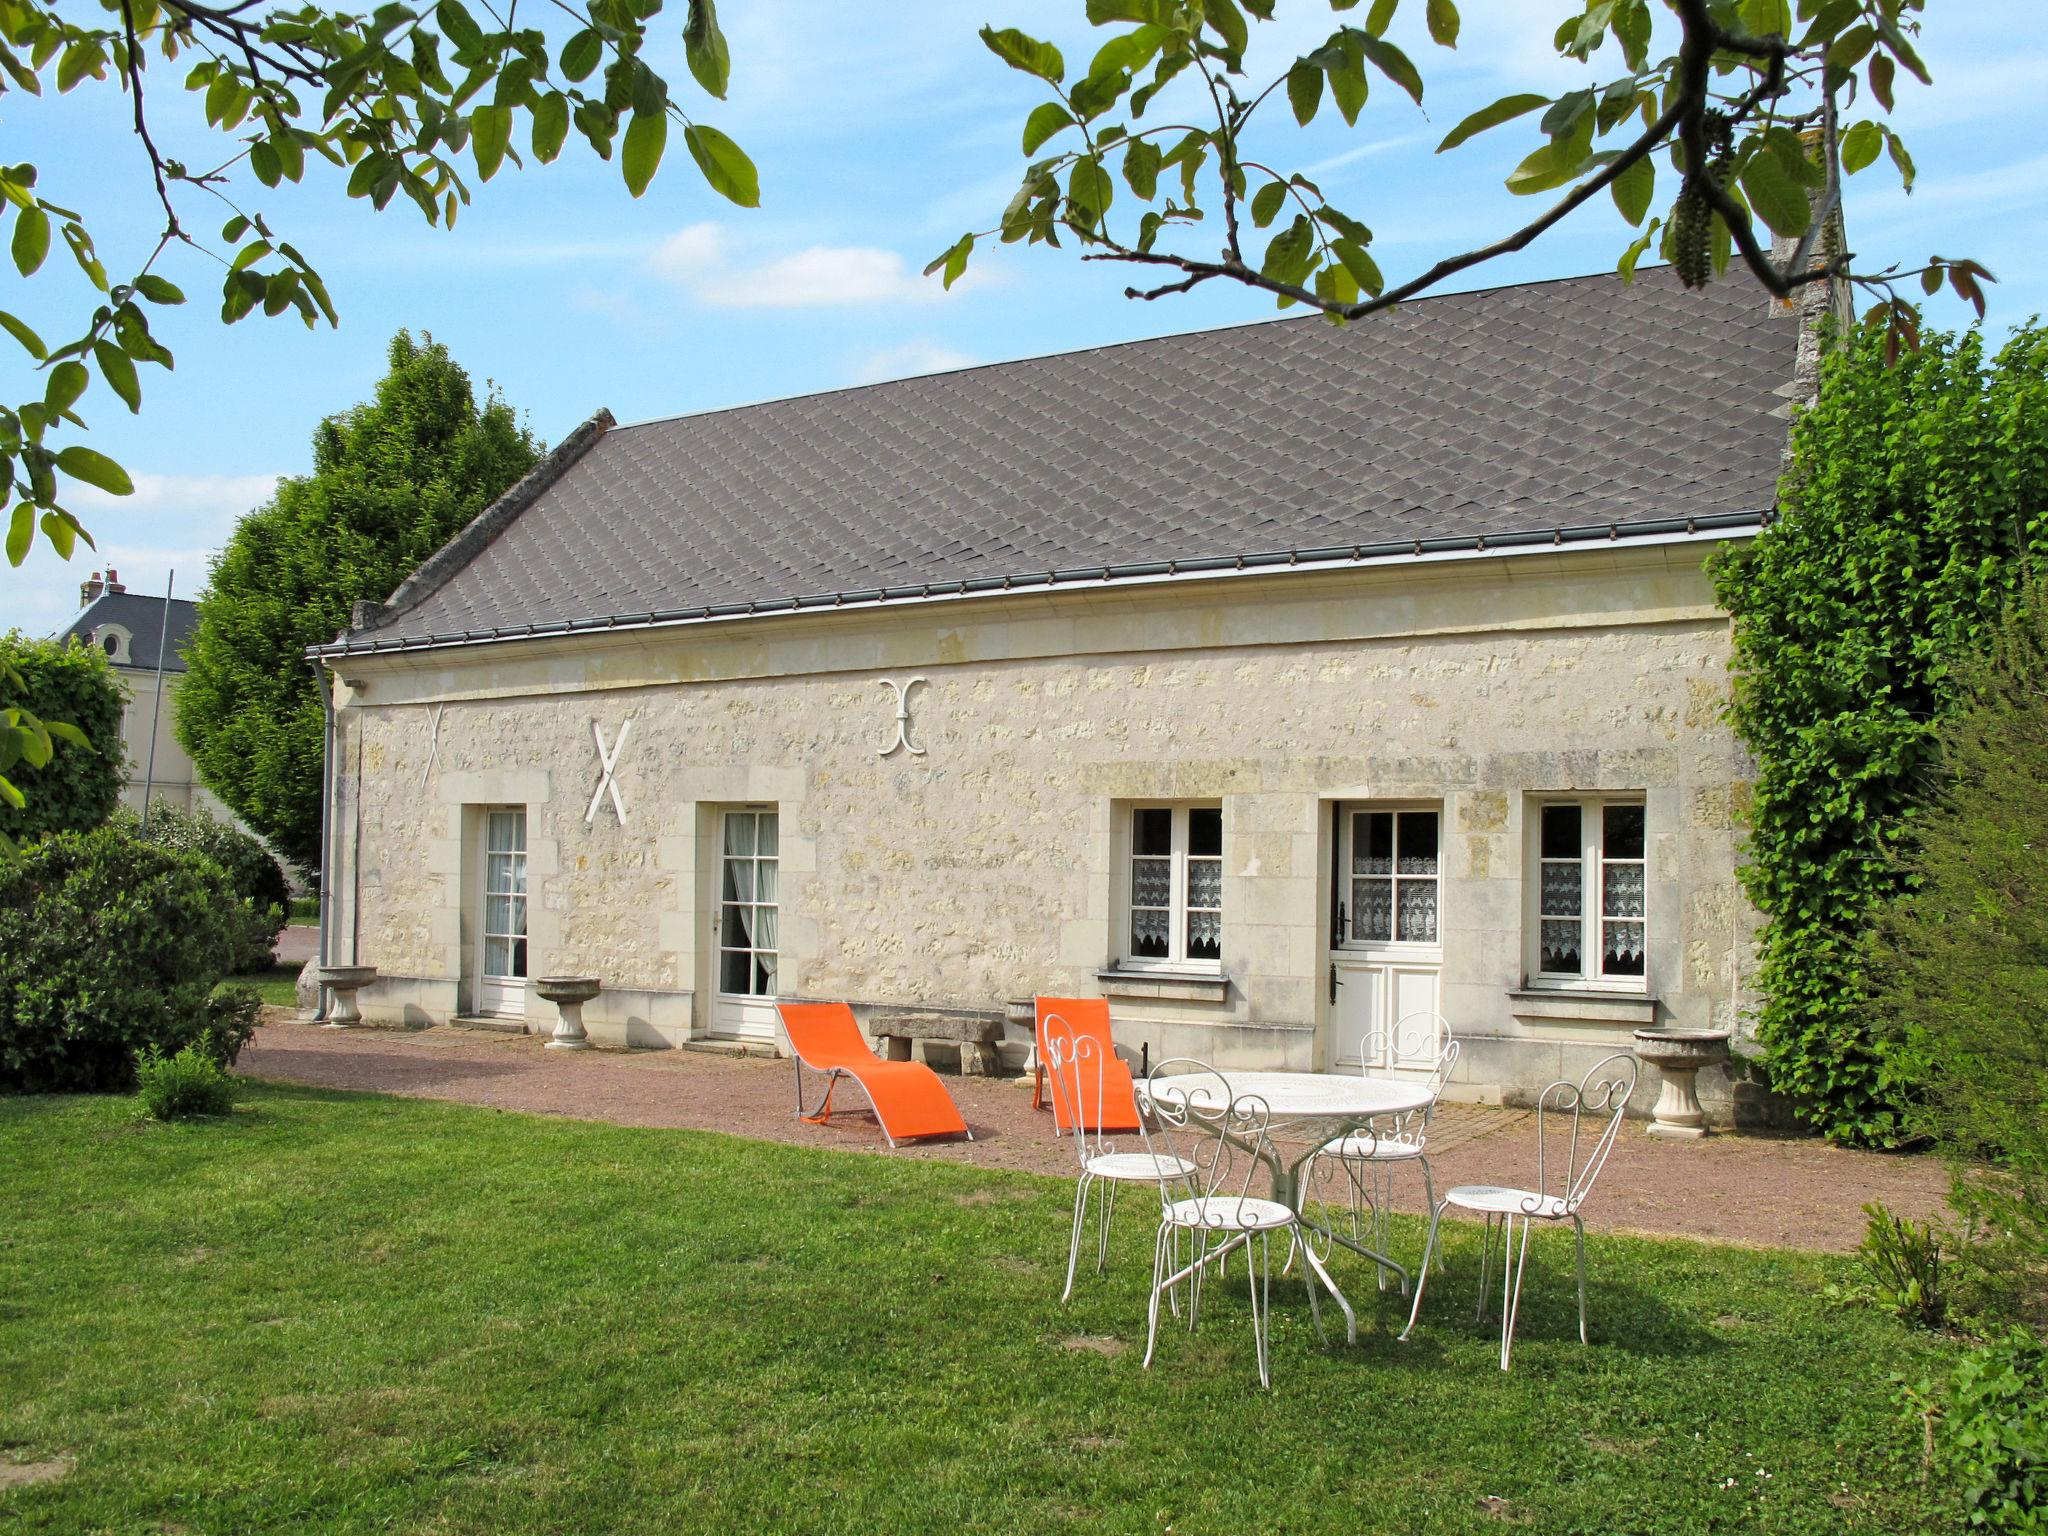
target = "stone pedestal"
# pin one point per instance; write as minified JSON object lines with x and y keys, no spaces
{"x":1678,"y":1055}
{"x":568,"y":994}
{"x":342,"y":983}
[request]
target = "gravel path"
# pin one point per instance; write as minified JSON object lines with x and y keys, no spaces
{"x":1755,"y":1190}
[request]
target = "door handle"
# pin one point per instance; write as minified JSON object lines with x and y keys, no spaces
{"x":1334,"y":982}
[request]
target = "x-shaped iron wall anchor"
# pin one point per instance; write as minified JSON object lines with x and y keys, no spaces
{"x":607,"y":780}
{"x":433,"y":743}
{"x":902,"y":739}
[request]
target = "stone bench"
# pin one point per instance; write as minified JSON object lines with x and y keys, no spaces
{"x":976,"y":1038}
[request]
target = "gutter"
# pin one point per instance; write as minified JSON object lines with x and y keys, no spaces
{"x":1333,"y":557}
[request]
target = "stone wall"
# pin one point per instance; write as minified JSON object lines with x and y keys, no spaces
{"x":991,"y":865}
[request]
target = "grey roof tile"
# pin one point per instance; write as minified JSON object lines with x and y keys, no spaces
{"x":1521,"y":409}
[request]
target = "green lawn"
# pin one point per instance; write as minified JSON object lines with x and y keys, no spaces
{"x":343,"y":1313}
{"x":277,"y":986}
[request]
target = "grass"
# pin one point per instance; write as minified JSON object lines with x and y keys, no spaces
{"x":303,"y":909}
{"x":343,"y":1313}
{"x":276,"y":986}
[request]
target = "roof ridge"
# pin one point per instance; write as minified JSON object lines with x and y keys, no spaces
{"x":437,"y":569}
{"x":1108,"y":346}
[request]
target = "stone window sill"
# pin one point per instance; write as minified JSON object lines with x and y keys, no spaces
{"x":1574,"y":1005}
{"x":1184,"y":986}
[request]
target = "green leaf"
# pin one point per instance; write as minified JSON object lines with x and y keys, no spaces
{"x":724,"y":164}
{"x":1128,"y":51}
{"x":1304,"y":91}
{"x":1900,"y":158}
{"x":1018,"y":51}
{"x":21,"y":532}
{"x":1443,"y":23}
{"x":1380,"y":17}
{"x":490,"y":134}
{"x":646,"y":138}
{"x":1288,"y":256}
{"x":1359,"y":263}
{"x":953,"y":260}
{"x":159,"y":290}
{"x":1267,"y":203}
{"x":550,"y":126}
{"x":1393,"y":63}
{"x":1507,"y":109}
{"x":31,"y":240}
{"x":31,"y":343}
{"x":1634,"y":188}
{"x":82,"y":463}
{"x":1229,"y":24}
{"x":704,"y":45}
{"x":1141,"y":168}
{"x":67,"y":382}
{"x":581,"y":54}
{"x":1046,"y":119}
{"x":1348,"y":88}
{"x":1627,"y":265}
{"x":458,"y":26}
{"x":1554,"y":164}
{"x":1343,"y":224}
{"x":1775,"y":196}
{"x":1090,"y":190}
{"x":1860,"y":146}
{"x":63,"y":536}
{"x":118,"y":369}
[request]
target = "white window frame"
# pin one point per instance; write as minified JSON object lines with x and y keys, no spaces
{"x":1592,"y":887}
{"x":1176,"y":957}
{"x":1346,"y":811}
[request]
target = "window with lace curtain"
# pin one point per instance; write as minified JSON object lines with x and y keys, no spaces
{"x":1591,"y":869}
{"x":1176,"y":887}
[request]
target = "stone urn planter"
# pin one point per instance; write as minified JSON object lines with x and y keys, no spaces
{"x":1678,"y":1055}
{"x":344,"y":981}
{"x":568,"y":994}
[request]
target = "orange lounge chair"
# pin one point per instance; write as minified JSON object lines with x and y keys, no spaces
{"x":908,"y":1097}
{"x":1112,"y":1107}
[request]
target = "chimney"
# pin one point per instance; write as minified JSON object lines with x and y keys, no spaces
{"x":114,"y":580}
{"x":1815,"y":302}
{"x":89,"y":589}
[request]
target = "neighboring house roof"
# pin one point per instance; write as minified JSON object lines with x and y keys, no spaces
{"x":142,"y":618}
{"x":1533,"y":413}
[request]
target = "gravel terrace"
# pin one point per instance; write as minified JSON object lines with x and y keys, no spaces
{"x":1755,"y":1190}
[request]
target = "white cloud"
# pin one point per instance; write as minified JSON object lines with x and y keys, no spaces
{"x":705,"y":262}
{"x":905,"y":360}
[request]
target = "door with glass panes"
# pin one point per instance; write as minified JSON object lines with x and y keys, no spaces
{"x":744,"y":928}
{"x":1387,"y":941}
{"x":501,"y":956}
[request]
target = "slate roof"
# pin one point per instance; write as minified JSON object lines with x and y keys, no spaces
{"x":1504,"y":413}
{"x":143,"y":617}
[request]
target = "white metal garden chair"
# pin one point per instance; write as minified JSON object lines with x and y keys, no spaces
{"x":1189,"y":1113}
{"x":1369,"y":1158}
{"x":1076,"y":1062}
{"x":1603,"y":1095}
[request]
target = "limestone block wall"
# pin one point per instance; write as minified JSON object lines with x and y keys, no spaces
{"x":992,"y":864}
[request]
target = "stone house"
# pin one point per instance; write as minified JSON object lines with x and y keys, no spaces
{"x":1272,"y":681}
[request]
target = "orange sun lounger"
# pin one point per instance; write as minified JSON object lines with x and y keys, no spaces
{"x":1118,"y":1109}
{"x":908,"y":1097}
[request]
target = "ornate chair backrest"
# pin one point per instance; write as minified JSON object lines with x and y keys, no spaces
{"x":1188,"y":1110}
{"x":1595,"y":1103}
{"x":1417,"y":1038}
{"x":1074,"y":1060}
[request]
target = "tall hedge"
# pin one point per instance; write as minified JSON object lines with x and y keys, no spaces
{"x":393,"y":480}
{"x":1913,"y":493}
{"x":79,"y":786}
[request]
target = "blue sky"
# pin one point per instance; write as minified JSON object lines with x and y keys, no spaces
{"x":881,"y":132}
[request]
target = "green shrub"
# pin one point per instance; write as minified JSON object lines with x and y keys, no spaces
{"x":109,"y":946}
{"x":1987,"y":1433}
{"x":79,"y":786}
{"x":1959,"y":965}
{"x":257,"y":877}
{"x":1915,"y":493}
{"x":183,"y":1087}
{"x":1904,"y":1260}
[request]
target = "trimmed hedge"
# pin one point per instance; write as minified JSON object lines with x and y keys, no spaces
{"x":75,"y":685}
{"x":110,"y":946}
{"x":258,"y":879}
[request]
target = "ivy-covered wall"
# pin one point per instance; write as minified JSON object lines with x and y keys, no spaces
{"x":1916,"y":490}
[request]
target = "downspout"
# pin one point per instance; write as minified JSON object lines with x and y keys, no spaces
{"x":355,"y":904}
{"x":326,"y":824}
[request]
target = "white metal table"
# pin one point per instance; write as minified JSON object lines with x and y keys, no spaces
{"x":1307,"y":1110}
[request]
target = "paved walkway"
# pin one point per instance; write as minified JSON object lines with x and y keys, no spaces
{"x":1741,"y":1189}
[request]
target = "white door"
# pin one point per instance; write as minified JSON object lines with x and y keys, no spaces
{"x":1386,"y":958}
{"x":501,"y":979}
{"x":744,"y":929}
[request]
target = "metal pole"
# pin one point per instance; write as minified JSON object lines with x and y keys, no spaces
{"x":156,"y":704}
{"x":326,"y":829}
